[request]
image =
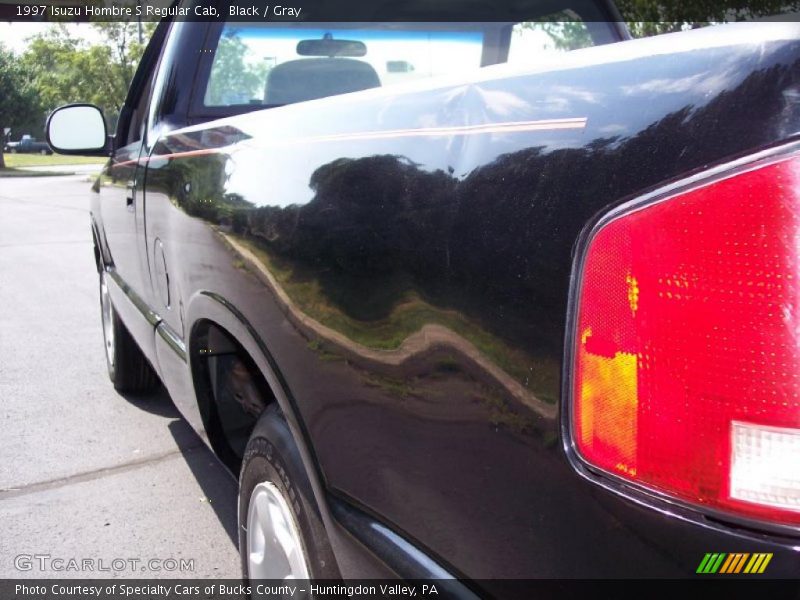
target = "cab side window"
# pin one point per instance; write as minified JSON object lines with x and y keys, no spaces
{"x":138,"y":120}
{"x":132,"y":124}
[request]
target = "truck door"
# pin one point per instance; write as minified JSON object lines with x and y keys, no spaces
{"x":122,"y":208}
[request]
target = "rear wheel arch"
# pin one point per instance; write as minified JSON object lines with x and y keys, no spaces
{"x":230,"y":390}
{"x":207,"y":312}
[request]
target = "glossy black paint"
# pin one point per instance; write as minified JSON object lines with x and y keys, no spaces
{"x":397,"y":264}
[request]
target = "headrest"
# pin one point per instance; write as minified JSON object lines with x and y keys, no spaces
{"x":311,"y":78}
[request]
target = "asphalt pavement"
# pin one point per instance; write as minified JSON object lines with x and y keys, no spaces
{"x":89,"y":480}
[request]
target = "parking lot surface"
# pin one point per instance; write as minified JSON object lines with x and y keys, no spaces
{"x":88,"y":474}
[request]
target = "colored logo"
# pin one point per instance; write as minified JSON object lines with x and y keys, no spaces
{"x":736,"y":562}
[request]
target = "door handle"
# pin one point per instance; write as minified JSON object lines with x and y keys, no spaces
{"x":130,"y":193}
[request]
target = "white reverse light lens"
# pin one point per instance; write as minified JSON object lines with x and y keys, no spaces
{"x":765,"y":465}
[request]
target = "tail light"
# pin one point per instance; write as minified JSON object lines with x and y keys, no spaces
{"x":686,"y":357}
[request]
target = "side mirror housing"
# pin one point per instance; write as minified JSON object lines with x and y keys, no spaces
{"x":78,"y":129}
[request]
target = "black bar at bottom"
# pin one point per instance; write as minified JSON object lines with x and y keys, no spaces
{"x":433,"y":589}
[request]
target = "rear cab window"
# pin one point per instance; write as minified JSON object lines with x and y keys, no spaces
{"x":257,"y":65}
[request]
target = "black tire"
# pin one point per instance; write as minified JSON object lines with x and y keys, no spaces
{"x":128,"y":369}
{"x":272,"y":456}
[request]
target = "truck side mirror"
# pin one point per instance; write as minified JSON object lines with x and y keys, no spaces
{"x":77,"y":129}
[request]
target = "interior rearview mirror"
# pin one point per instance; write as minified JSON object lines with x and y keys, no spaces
{"x":77,"y":129}
{"x":328,"y":46}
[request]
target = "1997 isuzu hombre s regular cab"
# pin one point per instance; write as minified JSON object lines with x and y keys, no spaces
{"x":452,"y":306}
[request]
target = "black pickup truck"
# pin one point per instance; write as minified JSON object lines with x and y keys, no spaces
{"x":450,"y":303}
{"x":27,"y":144}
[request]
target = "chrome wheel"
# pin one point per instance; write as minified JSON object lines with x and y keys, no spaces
{"x":107,"y":314}
{"x":274,"y":547}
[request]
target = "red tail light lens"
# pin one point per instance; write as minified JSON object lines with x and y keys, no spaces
{"x":686,"y":372}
